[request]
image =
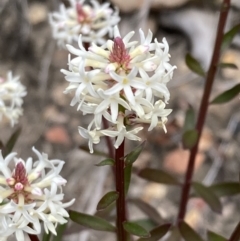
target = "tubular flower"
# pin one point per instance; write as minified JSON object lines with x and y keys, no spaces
{"x":93,"y":21}
{"x":11,"y":94}
{"x":124,"y":82}
{"x":31,"y":193}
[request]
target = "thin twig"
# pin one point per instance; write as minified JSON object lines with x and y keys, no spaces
{"x":236,"y":234}
{"x":204,"y":107}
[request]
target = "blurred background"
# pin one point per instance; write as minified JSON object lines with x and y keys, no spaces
{"x":50,"y":124}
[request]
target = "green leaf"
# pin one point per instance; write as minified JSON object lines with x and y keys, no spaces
{"x":107,"y":200}
{"x":11,"y":142}
{"x":188,"y":233}
{"x":133,"y":155}
{"x":208,"y":196}
{"x":225,"y":189}
{"x":60,"y":231}
{"x":135,"y":229}
{"x":228,"y":65}
{"x":189,"y":139}
{"x":96,"y":153}
{"x":127,"y":177}
{"x":226,"y":95}
{"x":46,"y":236}
{"x":215,"y":237}
{"x":106,"y":162}
{"x":157,"y":233}
{"x":194,"y":65}
{"x":189,"y":122}
{"x":151,"y":212}
{"x":228,"y":37}
{"x":146,"y":223}
{"x":91,"y":221}
{"x":159,"y":176}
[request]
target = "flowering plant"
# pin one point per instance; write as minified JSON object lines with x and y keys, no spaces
{"x":11,"y":94}
{"x":124,"y":82}
{"x":93,"y":21}
{"x":31,"y":193}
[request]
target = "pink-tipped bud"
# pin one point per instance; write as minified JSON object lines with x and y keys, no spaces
{"x":81,"y":14}
{"x":119,"y":53}
{"x":18,"y":186}
{"x":10,"y":181}
{"x":20,"y":174}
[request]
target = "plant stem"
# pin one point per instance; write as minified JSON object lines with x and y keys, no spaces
{"x":33,"y":237}
{"x":204,"y":107}
{"x":236,"y":234}
{"x":121,"y":208}
{"x":108,"y":140}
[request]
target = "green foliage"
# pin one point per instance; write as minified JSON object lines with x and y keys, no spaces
{"x":106,"y":162}
{"x":91,"y":221}
{"x":189,"y":139}
{"x":60,"y":231}
{"x":214,"y":237}
{"x":107,"y":200}
{"x":228,"y":65}
{"x":159,"y":176}
{"x":226,"y":95}
{"x":228,"y":37}
{"x":225,"y":189}
{"x":194,"y":65}
{"x":157,"y":233}
{"x":133,"y":155}
{"x":188,"y":233}
{"x":135,"y":229}
{"x":47,"y":236}
{"x":151,"y":212}
{"x":189,"y":122}
{"x":208,"y":196}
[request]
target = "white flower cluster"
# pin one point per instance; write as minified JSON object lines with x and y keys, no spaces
{"x":11,"y":94}
{"x":93,"y":21}
{"x":31,"y":194}
{"x":122,"y":81}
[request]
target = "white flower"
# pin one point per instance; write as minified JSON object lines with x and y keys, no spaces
{"x":124,"y":82}
{"x":94,"y":21}
{"x":31,"y":193}
{"x":11,"y":94}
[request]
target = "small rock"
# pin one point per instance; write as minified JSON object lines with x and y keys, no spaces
{"x":57,"y":135}
{"x":37,"y":13}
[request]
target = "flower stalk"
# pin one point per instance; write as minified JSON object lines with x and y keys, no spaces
{"x":204,"y":107}
{"x":236,"y":234}
{"x":33,"y":237}
{"x":121,"y":207}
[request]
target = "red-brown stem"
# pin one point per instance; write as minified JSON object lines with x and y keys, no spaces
{"x":236,"y":234}
{"x":33,"y":237}
{"x":204,"y":107}
{"x":121,"y":208}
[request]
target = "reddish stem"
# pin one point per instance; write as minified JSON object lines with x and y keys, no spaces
{"x":236,"y":234}
{"x":121,"y":208}
{"x":33,"y":237}
{"x":204,"y":107}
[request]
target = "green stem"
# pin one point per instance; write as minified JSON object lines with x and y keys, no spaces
{"x":236,"y":234}
{"x":204,"y":107}
{"x":121,"y":208}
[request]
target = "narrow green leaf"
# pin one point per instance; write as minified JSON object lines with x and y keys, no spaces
{"x":91,"y":221}
{"x":96,"y":153}
{"x":157,"y":233}
{"x":174,"y":234}
{"x":133,"y":155}
{"x":188,"y":233}
{"x":47,"y":236}
{"x":189,"y":122}
{"x":146,"y":223}
{"x":127,"y":177}
{"x":226,"y":95}
{"x":215,"y":237}
{"x":225,"y":189}
{"x":106,"y":162}
{"x":228,"y":37}
{"x":135,"y":229}
{"x":194,"y":65}
{"x":151,"y":212}
{"x":12,"y":141}
{"x":60,"y":231}
{"x":228,"y":65}
{"x":208,"y":196}
{"x":159,"y":176}
{"x":189,"y":139}
{"x":107,"y":200}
